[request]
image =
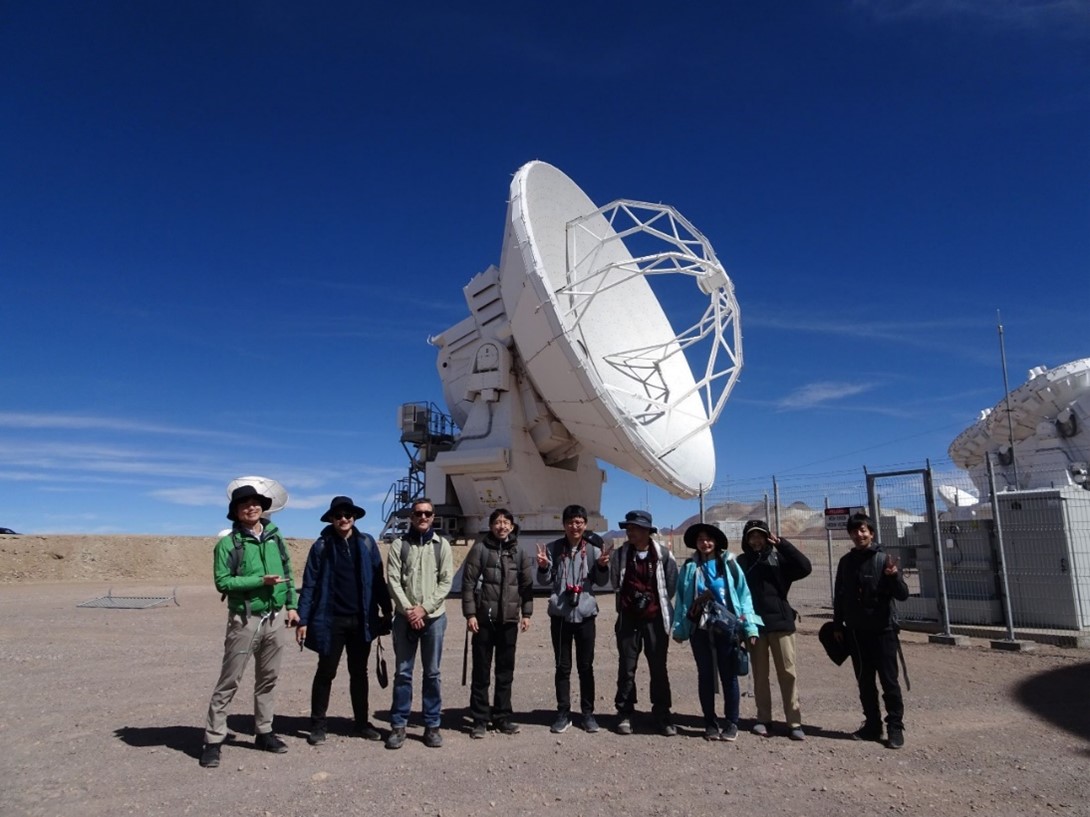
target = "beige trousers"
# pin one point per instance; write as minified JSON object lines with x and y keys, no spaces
{"x":264,"y":639}
{"x":782,"y":648}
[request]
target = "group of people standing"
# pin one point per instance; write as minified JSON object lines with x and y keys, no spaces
{"x":728,"y":610}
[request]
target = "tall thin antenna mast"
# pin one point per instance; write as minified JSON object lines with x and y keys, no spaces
{"x":1007,"y":396}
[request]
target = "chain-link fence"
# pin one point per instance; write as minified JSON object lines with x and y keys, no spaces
{"x":1018,"y":561}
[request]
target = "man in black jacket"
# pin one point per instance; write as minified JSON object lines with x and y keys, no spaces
{"x":867,"y":583}
{"x":771,"y":564}
{"x":344,"y":605}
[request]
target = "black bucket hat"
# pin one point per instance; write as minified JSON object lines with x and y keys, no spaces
{"x":715,"y":533}
{"x":641,"y":519}
{"x":343,"y":502}
{"x":245,"y":492}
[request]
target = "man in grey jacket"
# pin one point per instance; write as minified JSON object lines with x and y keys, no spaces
{"x":572,"y":566}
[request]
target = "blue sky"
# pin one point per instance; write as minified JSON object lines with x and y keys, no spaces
{"x":227,"y":229}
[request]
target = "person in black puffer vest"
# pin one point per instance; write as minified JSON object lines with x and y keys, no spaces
{"x":497,"y":601}
{"x":771,"y":564}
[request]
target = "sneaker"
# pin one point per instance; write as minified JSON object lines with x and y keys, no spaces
{"x":432,"y":737}
{"x":479,"y":730}
{"x":210,"y":756}
{"x":396,"y":738}
{"x":797,"y":734}
{"x":624,"y":726}
{"x":269,"y":742}
{"x":712,"y":733}
{"x":667,"y":729}
{"x":896,"y":738}
{"x":561,"y":724}
{"x":368,"y":732}
{"x":590,"y":724}
{"x":730,"y":732}
{"x":760,"y":729}
{"x":509,"y":727}
{"x":316,"y":736}
{"x":867,"y":732}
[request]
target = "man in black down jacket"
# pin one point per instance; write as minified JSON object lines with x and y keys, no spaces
{"x":771,"y":564}
{"x":497,"y":601}
{"x":867,"y":583}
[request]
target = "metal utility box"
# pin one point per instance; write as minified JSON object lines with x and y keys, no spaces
{"x":1046,"y":542}
{"x":971,"y":568}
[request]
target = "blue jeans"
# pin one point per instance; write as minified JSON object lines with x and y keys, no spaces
{"x":406,"y":641}
{"x":706,"y":667}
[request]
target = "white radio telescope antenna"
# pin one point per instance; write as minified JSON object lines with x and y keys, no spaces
{"x":568,"y":355}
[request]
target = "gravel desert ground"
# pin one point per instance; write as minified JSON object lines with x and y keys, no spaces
{"x":101,"y":714}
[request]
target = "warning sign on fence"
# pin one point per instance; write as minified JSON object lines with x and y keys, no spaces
{"x":837,"y":518}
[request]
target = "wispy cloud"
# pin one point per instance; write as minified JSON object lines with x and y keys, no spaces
{"x":1023,"y":14}
{"x":816,"y":395}
{"x":934,"y":336}
{"x":79,"y":422}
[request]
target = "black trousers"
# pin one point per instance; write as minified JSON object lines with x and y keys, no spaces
{"x":649,"y":637}
{"x":493,"y":640}
{"x":875,"y":655}
{"x":346,"y":635}
{"x":564,"y":635}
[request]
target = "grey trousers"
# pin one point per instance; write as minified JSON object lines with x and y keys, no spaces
{"x":264,"y":639}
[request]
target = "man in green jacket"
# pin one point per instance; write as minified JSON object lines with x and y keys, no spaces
{"x":252,"y":570}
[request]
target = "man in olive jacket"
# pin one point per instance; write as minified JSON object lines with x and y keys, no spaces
{"x":251,"y":568}
{"x":497,"y":601}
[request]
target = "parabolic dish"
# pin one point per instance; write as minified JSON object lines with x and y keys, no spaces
{"x":265,"y":486}
{"x":595,"y":340}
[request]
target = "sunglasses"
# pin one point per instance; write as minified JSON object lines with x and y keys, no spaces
{"x":344,"y":515}
{"x":424,"y":514}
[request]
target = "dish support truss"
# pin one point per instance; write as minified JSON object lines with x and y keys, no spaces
{"x":718,"y":332}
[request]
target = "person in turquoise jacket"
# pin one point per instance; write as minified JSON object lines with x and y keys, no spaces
{"x":711,"y":572}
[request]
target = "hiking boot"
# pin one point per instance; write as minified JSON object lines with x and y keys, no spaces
{"x":730,"y":732}
{"x":210,"y":756}
{"x":797,"y":734}
{"x":396,"y":738}
{"x":316,"y":736}
{"x":590,"y":724}
{"x":624,"y":725}
{"x":479,"y":730}
{"x":712,"y":733}
{"x":896,"y":738}
{"x":667,"y":729}
{"x":368,"y":732}
{"x":509,"y":727}
{"x":269,"y":742}
{"x":868,"y":732}
{"x":432,"y":738}
{"x":760,"y":729}
{"x":561,"y":724}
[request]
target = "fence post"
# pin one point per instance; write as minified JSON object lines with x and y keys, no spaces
{"x":936,"y":537}
{"x":776,"y":499}
{"x":1007,"y":614}
{"x":829,"y":548}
